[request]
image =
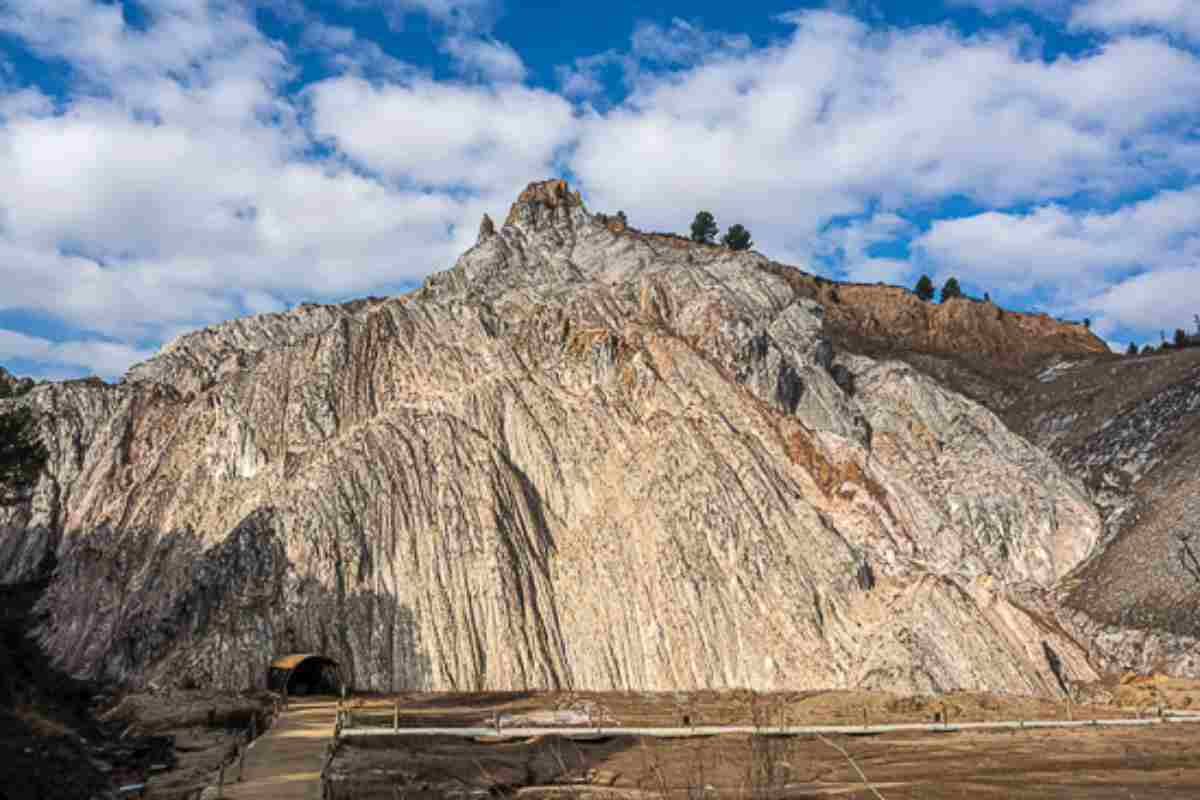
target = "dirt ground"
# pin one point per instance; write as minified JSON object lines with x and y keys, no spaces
{"x":1135,"y":697}
{"x":171,"y":742}
{"x":61,"y":737}
{"x":1154,"y":762}
{"x":206,"y":728}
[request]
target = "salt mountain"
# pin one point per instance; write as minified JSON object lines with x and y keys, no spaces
{"x":584,"y":457}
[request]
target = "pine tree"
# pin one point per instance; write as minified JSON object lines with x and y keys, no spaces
{"x":924,"y":288}
{"x":1132,"y":350}
{"x":704,"y":228}
{"x":951,"y":290}
{"x":737,"y":238}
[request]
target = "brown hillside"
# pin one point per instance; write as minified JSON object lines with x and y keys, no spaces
{"x":881,"y":320}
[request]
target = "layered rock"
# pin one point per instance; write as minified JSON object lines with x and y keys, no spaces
{"x":583,"y":457}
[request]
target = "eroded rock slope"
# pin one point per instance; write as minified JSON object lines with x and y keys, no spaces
{"x":583,"y":457}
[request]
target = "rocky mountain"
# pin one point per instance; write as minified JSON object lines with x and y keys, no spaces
{"x":585,"y":456}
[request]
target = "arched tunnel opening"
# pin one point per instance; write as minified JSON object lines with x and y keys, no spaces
{"x":304,"y":674}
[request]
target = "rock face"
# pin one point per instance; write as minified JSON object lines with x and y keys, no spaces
{"x":886,"y":320}
{"x":583,"y":457}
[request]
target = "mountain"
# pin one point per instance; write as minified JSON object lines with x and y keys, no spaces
{"x":585,"y":456}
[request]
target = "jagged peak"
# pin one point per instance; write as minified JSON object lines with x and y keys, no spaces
{"x":553,"y":193}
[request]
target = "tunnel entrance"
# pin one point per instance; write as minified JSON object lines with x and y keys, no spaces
{"x":304,"y":673}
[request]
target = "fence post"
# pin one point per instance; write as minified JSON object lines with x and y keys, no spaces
{"x":396,"y":716}
{"x":221,"y":782}
{"x":242,"y":763}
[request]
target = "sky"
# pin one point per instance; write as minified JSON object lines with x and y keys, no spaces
{"x":170,"y":164}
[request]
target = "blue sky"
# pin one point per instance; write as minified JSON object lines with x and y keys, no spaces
{"x":176,"y":163}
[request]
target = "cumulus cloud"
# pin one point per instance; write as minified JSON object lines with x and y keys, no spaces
{"x":1180,"y":17}
{"x":487,"y":138}
{"x":184,"y":178}
{"x":485,"y":58}
{"x":847,"y":247}
{"x":345,"y":52}
{"x":839,"y":118}
{"x":473,"y":15}
{"x":1133,"y":267}
{"x":682,"y":42}
{"x":1176,"y":16}
{"x":177,"y":189}
{"x":1000,"y":6}
{"x":653,"y":48}
{"x":1151,"y":302}
{"x":106,"y":359}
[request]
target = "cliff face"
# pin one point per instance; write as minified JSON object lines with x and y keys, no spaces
{"x":887,"y":320}
{"x":583,"y":457}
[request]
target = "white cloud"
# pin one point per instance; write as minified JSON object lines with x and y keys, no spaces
{"x":1162,"y":300}
{"x":1001,"y":6}
{"x":682,"y":42}
{"x":180,"y":193}
{"x":1052,"y":244}
{"x":1132,"y":267}
{"x":186,"y":181}
{"x":485,"y":58}
{"x":1180,"y":17}
{"x":443,"y":134}
{"x":1175,"y":16}
{"x":839,"y":118}
{"x":106,"y":359}
{"x":347,"y":52}
{"x":471,"y":15}
{"x":847,"y":247}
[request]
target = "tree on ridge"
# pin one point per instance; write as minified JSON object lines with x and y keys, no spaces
{"x":924,"y":288}
{"x":951,"y":289}
{"x":704,"y":228}
{"x":737,"y":238}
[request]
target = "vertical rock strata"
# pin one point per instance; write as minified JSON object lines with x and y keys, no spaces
{"x":583,"y":457}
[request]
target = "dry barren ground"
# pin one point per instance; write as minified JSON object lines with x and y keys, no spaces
{"x":1157,"y":762}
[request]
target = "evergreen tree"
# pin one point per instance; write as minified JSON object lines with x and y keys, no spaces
{"x":737,"y":238}
{"x":1132,"y":349}
{"x":621,"y":216}
{"x":924,"y":288}
{"x":951,"y":290}
{"x":704,"y":228}
{"x":22,"y":455}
